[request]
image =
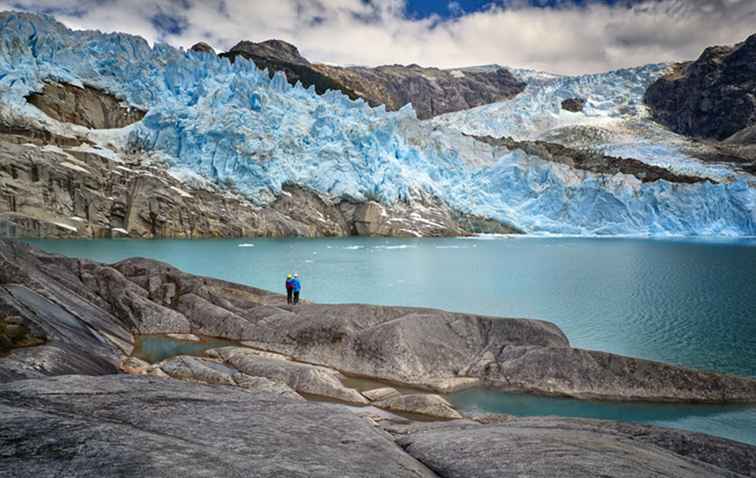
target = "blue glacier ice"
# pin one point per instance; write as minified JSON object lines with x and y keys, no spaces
{"x":233,"y":123}
{"x":614,"y":119}
{"x":610,"y":96}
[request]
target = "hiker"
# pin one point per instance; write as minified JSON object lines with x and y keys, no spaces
{"x":297,"y":288}
{"x":289,"y":288}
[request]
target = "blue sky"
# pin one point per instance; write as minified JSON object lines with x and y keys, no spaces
{"x":451,"y":9}
{"x":562,"y":36}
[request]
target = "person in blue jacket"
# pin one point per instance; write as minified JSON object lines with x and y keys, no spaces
{"x":297,"y":288}
{"x":289,"y":289}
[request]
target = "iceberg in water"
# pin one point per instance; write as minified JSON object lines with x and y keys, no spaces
{"x":233,"y":123}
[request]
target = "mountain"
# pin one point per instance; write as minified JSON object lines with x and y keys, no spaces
{"x":431,"y":91}
{"x":606,"y":113}
{"x":711,"y":97}
{"x":225,"y":149}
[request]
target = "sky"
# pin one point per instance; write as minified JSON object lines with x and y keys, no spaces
{"x":560,"y":36}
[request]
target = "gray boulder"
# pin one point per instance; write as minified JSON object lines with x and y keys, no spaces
{"x":184,"y":367}
{"x":420,"y":403}
{"x":382,"y":393}
{"x":406,"y":345}
{"x":589,"y":374}
{"x":304,"y":378}
{"x":197,"y":369}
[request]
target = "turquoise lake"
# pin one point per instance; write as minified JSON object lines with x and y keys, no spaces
{"x":687,"y":302}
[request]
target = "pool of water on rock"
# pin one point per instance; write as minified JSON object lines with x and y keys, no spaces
{"x":736,"y":422}
{"x":156,"y":348}
{"x":684,"y":301}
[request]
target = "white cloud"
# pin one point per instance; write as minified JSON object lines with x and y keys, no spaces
{"x":567,"y":39}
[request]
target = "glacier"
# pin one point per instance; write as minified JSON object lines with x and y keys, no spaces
{"x":614,"y":120}
{"x":231,"y":123}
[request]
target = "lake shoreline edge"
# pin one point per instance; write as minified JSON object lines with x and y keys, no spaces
{"x":104,"y":305}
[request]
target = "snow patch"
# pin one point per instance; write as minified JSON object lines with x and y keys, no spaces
{"x":66,"y":226}
{"x":75,"y":167}
{"x":181,"y":192}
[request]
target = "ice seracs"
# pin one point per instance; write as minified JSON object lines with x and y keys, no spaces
{"x":231,"y":123}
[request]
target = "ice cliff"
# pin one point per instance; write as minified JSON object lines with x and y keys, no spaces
{"x":232,"y":123}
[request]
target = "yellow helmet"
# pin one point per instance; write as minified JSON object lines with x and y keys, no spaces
{"x":288,"y":276}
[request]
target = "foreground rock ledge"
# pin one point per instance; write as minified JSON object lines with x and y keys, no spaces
{"x":141,"y":426}
{"x":86,"y":312}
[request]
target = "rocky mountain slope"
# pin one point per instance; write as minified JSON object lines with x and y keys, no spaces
{"x":282,"y":159}
{"x":61,"y":187}
{"x":711,"y":97}
{"x":241,"y":409}
{"x":431,"y":91}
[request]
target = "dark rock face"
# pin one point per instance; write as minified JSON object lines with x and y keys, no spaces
{"x":86,"y":106}
{"x":276,"y":55}
{"x":430,"y":90}
{"x":591,"y":161}
{"x":202,"y":47}
{"x":573,"y":104}
{"x":138,"y":426}
{"x":547,"y":447}
{"x":712,"y":97}
{"x":273,"y":50}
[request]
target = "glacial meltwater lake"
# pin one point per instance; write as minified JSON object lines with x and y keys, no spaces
{"x":690,"y":302}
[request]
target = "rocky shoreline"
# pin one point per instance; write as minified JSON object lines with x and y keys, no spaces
{"x":81,"y":389}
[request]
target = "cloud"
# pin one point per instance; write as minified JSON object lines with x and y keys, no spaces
{"x":564,"y":38}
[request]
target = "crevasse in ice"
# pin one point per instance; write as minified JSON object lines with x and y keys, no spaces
{"x":233,"y":123}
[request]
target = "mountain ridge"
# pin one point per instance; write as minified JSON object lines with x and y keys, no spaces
{"x":431,"y":91}
{"x":249,"y":135}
